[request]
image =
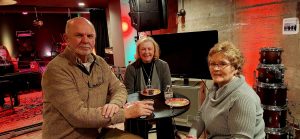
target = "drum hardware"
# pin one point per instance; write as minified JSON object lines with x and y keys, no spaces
{"x":296,"y":133}
{"x":275,"y":116}
{"x":272,"y":91}
{"x":293,"y":131}
{"x":272,"y":94}
{"x":270,"y":55}
{"x":270,"y":73}
{"x":282,"y":133}
{"x":294,"y":126}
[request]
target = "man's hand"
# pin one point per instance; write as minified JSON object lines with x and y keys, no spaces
{"x":109,"y":110}
{"x":139,"y":108}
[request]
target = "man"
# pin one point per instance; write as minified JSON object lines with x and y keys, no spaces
{"x":82,"y":96}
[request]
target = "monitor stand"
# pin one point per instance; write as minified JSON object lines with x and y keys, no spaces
{"x":186,"y":81}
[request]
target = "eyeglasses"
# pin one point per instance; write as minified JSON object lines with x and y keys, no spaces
{"x":220,"y":65}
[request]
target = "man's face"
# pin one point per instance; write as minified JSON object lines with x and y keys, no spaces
{"x":81,"y":37}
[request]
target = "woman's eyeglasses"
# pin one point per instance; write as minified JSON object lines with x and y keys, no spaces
{"x":220,"y":65}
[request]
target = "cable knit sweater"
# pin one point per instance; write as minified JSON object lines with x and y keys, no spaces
{"x":73,"y":97}
{"x":232,"y":111}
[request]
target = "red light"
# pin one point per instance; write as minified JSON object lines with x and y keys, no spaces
{"x":256,"y":27}
{"x":34,"y":66}
{"x":25,"y":13}
{"x":124,"y":26}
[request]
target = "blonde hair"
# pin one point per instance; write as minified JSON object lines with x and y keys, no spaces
{"x":147,"y":39}
{"x":230,"y":51}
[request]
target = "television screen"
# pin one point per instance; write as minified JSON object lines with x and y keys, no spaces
{"x":186,"y":53}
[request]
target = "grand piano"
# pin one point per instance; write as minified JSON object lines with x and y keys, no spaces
{"x":6,"y":68}
{"x":12,"y":83}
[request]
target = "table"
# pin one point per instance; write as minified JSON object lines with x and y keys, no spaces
{"x":6,"y":68}
{"x":162,"y":116}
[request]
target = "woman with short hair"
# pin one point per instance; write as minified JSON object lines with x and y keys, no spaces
{"x":231,"y":109}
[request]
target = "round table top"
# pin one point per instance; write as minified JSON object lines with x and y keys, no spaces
{"x":161,"y":110}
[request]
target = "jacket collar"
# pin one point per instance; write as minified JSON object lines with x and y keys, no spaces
{"x":72,"y":57}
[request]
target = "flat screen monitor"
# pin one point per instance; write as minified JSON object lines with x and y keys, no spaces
{"x":186,"y":53}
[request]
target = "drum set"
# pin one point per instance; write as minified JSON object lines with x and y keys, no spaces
{"x":272,"y":91}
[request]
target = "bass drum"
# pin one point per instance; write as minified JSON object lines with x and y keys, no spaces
{"x":270,"y":55}
{"x":275,"y":116}
{"x":272,"y":94}
{"x":270,"y":73}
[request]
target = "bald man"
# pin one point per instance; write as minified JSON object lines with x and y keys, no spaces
{"x":82,"y":96}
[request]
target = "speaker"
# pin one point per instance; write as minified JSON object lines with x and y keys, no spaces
{"x":147,"y":15}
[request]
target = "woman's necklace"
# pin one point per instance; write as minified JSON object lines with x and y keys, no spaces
{"x":148,"y":76}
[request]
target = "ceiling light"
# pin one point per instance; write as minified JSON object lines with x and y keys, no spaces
{"x":37,"y":22}
{"x":7,"y":2}
{"x":81,"y":4}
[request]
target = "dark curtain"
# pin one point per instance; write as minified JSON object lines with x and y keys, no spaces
{"x":98,"y":18}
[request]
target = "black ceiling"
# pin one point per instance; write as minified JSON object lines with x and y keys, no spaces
{"x":53,"y":6}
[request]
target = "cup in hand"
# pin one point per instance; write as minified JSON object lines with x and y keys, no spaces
{"x":149,"y":102}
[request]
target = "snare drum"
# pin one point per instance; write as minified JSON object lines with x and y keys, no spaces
{"x":270,"y":55}
{"x":273,"y":73}
{"x":275,"y":116}
{"x":272,"y":94}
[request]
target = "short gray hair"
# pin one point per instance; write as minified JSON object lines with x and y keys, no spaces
{"x":70,"y":21}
